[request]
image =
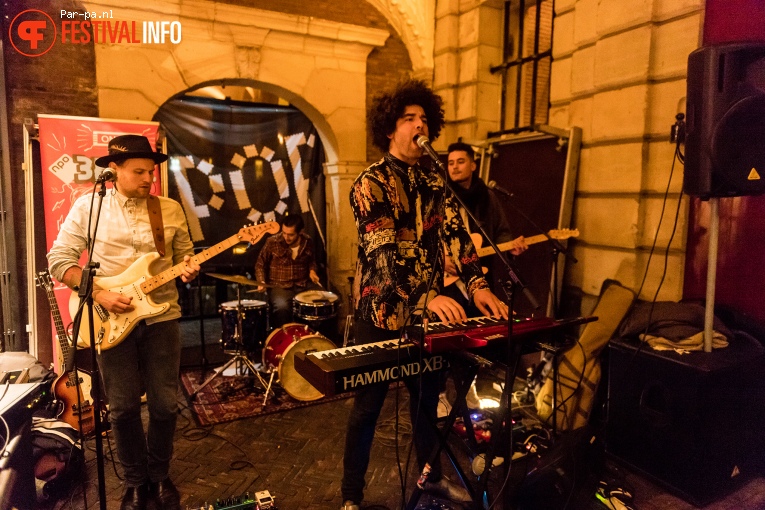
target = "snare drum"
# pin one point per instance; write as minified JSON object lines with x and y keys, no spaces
{"x":254,"y":325}
{"x":315,"y":305}
{"x":279,"y":354}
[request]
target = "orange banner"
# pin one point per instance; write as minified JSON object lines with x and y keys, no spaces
{"x":69,"y":147}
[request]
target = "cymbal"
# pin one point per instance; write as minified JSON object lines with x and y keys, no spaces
{"x":241,"y":280}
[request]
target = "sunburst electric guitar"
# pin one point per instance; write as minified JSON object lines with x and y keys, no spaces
{"x":138,"y":281}
{"x":509,"y":245}
{"x":76,"y":408}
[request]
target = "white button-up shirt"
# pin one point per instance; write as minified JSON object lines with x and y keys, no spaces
{"x":124,"y":234}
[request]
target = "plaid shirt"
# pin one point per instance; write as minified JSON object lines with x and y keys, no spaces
{"x":404,"y":222}
{"x":276,"y":266}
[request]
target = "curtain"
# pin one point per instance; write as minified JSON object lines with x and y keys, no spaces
{"x":233,"y":163}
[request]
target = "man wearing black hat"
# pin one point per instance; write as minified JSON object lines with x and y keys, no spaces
{"x":148,"y":359}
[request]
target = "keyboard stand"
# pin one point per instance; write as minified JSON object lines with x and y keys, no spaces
{"x":501,"y":431}
{"x":463,"y":378}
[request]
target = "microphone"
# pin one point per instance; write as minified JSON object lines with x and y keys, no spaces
{"x":499,"y":189}
{"x":105,"y":176}
{"x":424,"y":144}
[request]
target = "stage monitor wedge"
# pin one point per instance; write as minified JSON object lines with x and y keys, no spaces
{"x":725,"y":124}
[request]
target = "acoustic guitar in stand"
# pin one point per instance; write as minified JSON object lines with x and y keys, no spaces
{"x":71,"y":392}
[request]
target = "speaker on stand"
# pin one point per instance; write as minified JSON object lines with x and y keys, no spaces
{"x":724,"y":138}
{"x":725,"y":121}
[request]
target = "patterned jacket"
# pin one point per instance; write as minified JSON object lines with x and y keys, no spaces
{"x":403,"y":225}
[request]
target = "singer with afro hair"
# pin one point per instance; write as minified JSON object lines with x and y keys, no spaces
{"x":388,"y":108}
{"x":403,"y":224}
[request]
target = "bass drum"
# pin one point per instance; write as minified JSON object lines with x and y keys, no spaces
{"x":279,"y":354}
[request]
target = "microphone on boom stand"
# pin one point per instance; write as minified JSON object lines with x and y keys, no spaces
{"x":499,"y":189}
{"x":424,"y":143}
{"x":106,"y":176}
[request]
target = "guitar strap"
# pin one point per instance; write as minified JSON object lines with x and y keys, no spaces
{"x":157,"y":227}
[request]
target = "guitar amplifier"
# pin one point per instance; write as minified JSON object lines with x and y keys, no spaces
{"x":17,"y":479}
{"x":693,"y":422}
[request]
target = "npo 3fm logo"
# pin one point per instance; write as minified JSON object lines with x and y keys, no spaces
{"x":32,"y":33}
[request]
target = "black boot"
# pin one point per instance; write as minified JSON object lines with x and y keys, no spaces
{"x":135,"y":498}
{"x":166,"y":495}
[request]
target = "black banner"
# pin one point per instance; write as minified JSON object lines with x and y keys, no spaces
{"x":234,"y":163}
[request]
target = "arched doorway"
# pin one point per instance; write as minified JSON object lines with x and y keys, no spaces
{"x":240,"y":154}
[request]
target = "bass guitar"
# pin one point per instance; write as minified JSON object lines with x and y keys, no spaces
{"x":72,"y":392}
{"x":560,"y":235}
{"x":138,"y":282}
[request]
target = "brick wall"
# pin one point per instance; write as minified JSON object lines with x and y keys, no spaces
{"x":60,"y":82}
{"x":468,"y":41}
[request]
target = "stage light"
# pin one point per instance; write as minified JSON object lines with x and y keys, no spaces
{"x":488,"y":403}
{"x":174,"y":164}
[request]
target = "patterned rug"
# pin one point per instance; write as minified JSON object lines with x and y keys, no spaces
{"x":229,"y":398}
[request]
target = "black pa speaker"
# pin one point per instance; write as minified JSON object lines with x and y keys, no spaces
{"x":725,"y":121}
{"x":692,"y":422}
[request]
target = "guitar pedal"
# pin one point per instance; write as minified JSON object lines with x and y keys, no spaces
{"x":264,"y":501}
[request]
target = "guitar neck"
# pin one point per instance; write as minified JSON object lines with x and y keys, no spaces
{"x":509,"y":245}
{"x":174,"y":272}
{"x":59,"y":324}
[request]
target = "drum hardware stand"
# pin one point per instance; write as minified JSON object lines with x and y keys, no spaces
{"x":239,"y":356}
{"x":349,"y":317}
{"x":271,"y":371}
{"x":202,"y":325}
{"x":274,"y":369}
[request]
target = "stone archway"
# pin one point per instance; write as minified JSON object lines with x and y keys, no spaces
{"x":317,"y":65}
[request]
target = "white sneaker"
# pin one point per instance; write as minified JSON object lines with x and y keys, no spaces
{"x":350,"y":505}
{"x":444,"y":407}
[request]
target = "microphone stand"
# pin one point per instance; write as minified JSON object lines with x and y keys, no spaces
{"x":85,"y":293}
{"x":551,"y":352}
{"x":557,"y":248}
{"x":512,"y":359}
{"x":513,"y":354}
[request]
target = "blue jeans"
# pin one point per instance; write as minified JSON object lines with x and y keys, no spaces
{"x":366,"y":410}
{"x":147,"y":360}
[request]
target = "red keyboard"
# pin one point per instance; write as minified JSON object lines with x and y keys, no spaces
{"x":348,"y":368}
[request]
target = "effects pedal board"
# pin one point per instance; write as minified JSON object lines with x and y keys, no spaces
{"x":262,"y":501}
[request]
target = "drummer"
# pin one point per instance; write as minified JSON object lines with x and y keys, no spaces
{"x":288,"y":265}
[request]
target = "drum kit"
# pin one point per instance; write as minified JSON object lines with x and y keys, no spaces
{"x":245,"y":324}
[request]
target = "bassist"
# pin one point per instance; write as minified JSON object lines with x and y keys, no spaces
{"x":149,"y":357}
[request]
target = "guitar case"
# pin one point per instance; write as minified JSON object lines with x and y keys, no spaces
{"x":57,"y":455}
{"x":579,"y":367}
